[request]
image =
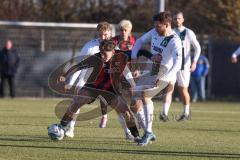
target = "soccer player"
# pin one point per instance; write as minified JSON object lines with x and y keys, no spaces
{"x":103,"y":82}
{"x":188,"y":38}
{"x":166,"y":50}
{"x":125,"y":41}
{"x":104,"y":32}
{"x":235,"y":55}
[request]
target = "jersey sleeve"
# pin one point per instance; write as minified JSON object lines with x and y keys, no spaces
{"x":140,"y":41}
{"x":86,"y":49}
{"x":195,"y":44}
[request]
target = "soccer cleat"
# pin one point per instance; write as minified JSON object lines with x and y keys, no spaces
{"x":163,"y":118}
{"x":129,"y":136}
{"x":103,"y":122}
{"x":70,"y":132}
{"x":147,"y":138}
{"x":137,"y":139}
{"x":183,"y":117}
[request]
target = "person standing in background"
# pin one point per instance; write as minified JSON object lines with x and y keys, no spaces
{"x":9,"y":61}
{"x":198,"y":79}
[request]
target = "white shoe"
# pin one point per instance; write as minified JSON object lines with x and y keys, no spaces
{"x":70,"y":133}
{"x":129,"y":136}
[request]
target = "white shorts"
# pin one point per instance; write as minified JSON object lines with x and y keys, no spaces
{"x":146,"y":86}
{"x":183,"y":78}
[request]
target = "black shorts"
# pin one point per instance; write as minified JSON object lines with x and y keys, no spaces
{"x":107,"y":95}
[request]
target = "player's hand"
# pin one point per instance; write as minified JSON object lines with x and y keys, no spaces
{"x":62,"y":79}
{"x":156,"y":58}
{"x":234,"y":60}
{"x":136,"y":73}
{"x":193,"y":66}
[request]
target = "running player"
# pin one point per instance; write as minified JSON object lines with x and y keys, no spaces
{"x":103,"y":82}
{"x":104,"y":32}
{"x":166,"y":49}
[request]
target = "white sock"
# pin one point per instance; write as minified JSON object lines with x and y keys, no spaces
{"x":141,"y":119}
{"x":105,"y":115}
{"x":123,"y":123}
{"x":166,"y":107}
{"x":186,"y":109}
{"x":73,"y":122}
{"x":148,"y":112}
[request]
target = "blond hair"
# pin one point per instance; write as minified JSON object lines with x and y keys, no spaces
{"x":125,"y":24}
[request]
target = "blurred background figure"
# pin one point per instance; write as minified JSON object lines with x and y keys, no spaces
{"x":124,"y":41}
{"x":235,"y":55}
{"x":9,"y":61}
{"x":198,"y":79}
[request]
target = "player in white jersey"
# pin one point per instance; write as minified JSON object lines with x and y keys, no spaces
{"x":104,"y":31}
{"x":166,"y":50}
{"x":235,"y":55}
{"x":188,"y":38}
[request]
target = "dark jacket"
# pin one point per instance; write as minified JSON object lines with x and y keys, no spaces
{"x":9,"y":61}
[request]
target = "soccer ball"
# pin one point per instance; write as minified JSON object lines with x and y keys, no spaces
{"x":55,"y":132}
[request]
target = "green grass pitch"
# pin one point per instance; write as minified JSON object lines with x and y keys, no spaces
{"x":213,"y":133}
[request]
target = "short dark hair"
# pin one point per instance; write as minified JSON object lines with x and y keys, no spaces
{"x":163,"y":17}
{"x":178,"y":12}
{"x":107,"y":45}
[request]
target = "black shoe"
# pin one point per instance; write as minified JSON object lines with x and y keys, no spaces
{"x":163,"y":118}
{"x":183,"y":117}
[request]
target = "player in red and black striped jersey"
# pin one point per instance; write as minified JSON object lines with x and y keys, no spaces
{"x":125,"y":41}
{"x":108,"y":67}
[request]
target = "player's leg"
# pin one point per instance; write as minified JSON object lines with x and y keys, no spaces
{"x":103,"y":121}
{"x":84,"y":96}
{"x":137,"y":109}
{"x":167,"y":100}
{"x":70,"y":131}
{"x":148,"y":108}
{"x":76,"y":104}
{"x":127,"y":117}
{"x":183,"y":83}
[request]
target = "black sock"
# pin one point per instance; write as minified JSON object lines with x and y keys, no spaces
{"x":134,"y":131}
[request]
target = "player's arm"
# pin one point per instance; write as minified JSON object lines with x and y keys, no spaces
{"x":235,"y":55}
{"x":86,"y":50}
{"x":139,"y":43}
{"x":197,"y":49}
{"x":129,"y":77}
{"x":85,"y":64}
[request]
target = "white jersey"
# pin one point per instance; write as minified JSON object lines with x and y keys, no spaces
{"x":188,"y":38}
{"x":169,"y":47}
{"x":236,"y":53}
{"x":90,"y":48}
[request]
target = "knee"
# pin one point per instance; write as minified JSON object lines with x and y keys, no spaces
{"x":136,"y":105}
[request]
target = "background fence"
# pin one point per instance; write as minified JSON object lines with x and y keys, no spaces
{"x":44,"y":46}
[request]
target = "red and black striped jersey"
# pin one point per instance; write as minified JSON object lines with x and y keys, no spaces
{"x":122,"y":44}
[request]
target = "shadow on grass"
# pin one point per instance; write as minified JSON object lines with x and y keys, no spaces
{"x":93,"y":141}
{"x":141,"y":151}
